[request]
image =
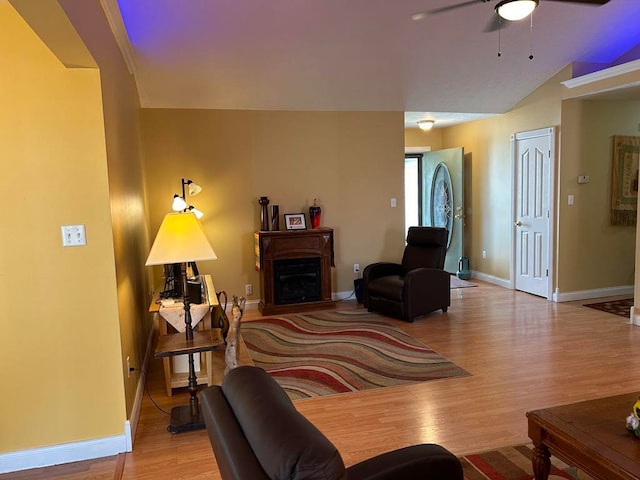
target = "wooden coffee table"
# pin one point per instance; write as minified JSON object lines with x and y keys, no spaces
{"x":589,"y":435}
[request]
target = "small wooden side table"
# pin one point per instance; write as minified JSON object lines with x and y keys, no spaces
{"x":172,"y":378}
{"x":188,"y":417}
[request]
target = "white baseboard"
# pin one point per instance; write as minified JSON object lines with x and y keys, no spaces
{"x":501,"y":282}
{"x":131,"y":425}
{"x":634,"y":318}
{"x":253,"y":304}
{"x":64,"y":453}
{"x":87,"y":450}
{"x":594,"y":293}
{"x":343,"y":295}
{"x":249,"y":305}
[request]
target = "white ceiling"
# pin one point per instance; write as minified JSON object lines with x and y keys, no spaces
{"x":361,"y":54}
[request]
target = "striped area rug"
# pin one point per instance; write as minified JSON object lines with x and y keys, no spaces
{"x":513,"y":463}
{"x":324,"y":353}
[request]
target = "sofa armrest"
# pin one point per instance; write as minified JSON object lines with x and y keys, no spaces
{"x":419,"y":462}
{"x":234,"y":455}
{"x":380,"y":269}
{"x":431,"y":277}
{"x":377,"y":270}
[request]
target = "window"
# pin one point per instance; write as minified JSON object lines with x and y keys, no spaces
{"x":412,"y":190}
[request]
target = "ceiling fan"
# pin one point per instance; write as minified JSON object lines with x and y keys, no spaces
{"x":506,"y":10}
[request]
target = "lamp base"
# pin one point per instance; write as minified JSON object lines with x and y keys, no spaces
{"x":183,"y":420}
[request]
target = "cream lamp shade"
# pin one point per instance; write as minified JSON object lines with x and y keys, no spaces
{"x":180,"y":239}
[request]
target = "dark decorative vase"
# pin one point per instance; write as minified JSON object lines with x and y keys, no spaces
{"x":275,"y":218}
{"x":315,"y":212}
{"x":264,"y":213}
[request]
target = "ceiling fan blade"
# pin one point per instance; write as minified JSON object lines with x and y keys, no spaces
{"x":496,"y":23}
{"x":434,"y":11}
{"x":584,"y":2}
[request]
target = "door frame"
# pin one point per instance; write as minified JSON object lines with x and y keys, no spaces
{"x":551,"y":132}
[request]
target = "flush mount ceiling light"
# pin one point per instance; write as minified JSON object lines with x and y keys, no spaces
{"x":426,"y":125}
{"x":515,"y":9}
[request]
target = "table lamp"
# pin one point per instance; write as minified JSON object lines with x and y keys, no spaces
{"x":181,"y":239}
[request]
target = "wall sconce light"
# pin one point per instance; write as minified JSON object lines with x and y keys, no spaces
{"x":426,"y":125}
{"x":180,"y":204}
{"x":515,"y":9}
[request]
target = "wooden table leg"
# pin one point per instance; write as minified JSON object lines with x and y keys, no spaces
{"x":541,"y":462}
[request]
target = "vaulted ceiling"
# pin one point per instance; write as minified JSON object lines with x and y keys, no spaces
{"x":359,"y":54}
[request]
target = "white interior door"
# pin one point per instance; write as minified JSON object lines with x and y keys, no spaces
{"x":533,"y":154}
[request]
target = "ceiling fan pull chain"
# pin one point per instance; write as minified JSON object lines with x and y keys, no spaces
{"x":531,"y":39}
{"x":499,"y":29}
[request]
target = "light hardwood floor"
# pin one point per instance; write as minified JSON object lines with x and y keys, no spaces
{"x":522,"y":352}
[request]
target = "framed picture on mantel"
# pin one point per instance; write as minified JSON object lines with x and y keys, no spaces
{"x":295,"y":221}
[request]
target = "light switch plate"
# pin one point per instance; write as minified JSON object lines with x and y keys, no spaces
{"x":73,"y":236}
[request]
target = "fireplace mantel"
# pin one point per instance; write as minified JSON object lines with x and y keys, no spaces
{"x":271,"y":246}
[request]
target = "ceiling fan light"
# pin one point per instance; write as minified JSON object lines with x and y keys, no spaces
{"x":426,"y":125}
{"x":515,"y":9}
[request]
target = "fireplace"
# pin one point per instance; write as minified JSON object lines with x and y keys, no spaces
{"x":295,"y":270}
{"x":297,"y":280}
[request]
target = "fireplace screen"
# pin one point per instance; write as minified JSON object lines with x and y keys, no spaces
{"x":297,"y":280}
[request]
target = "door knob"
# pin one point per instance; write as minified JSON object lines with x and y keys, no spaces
{"x":518,"y":223}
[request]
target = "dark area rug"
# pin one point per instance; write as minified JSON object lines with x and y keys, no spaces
{"x":324,"y":353}
{"x":513,"y":463}
{"x":617,"y":307}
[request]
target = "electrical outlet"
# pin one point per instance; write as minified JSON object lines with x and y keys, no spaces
{"x":356,"y":267}
{"x":248,"y":289}
{"x":484,"y":254}
{"x":128,"y":367}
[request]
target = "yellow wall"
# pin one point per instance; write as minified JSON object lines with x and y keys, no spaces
{"x":351,"y":162}
{"x":60,"y":342}
{"x":592,"y":253}
{"x":487,"y":142}
{"x":70,"y":151}
{"x":414,"y":137}
{"x":127,"y":193}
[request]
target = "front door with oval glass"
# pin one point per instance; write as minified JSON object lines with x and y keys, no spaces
{"x":443,"y":198}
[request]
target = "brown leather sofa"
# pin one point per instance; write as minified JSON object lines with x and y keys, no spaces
{"x":257,"y":434}
{"x":416,"y":286}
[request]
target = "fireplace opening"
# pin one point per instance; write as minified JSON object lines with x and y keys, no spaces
{"x":297,"y":280}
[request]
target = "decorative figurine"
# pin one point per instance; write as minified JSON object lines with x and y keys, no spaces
{"x":314,"y":214}
{"x":264,"y":213}
{"x":231,"y":352}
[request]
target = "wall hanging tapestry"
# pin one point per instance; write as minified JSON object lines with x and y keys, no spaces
{"x":325,"y":353}
{"x":624,"y":178}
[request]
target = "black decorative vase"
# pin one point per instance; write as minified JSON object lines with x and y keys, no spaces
{"x":275,"y":218}
{"x":264,"y":213}
{"x":314,"y":214}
